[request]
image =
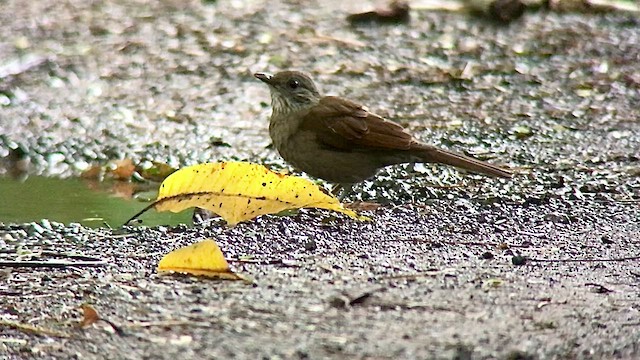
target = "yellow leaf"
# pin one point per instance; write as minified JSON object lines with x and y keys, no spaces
{"x":239,"y":191}
{"x":203,"y":258}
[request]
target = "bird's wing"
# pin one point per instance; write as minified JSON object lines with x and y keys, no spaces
{"x":343,"y":124}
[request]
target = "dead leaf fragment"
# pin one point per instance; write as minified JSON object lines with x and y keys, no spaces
{"x":202,"y":259}
{"x":93,"y":173}
{"x":157,"y":171}
{"x":89,"y":316}
{"x":123,"y":169}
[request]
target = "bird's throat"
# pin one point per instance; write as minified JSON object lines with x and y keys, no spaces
{"x":284,"y":105}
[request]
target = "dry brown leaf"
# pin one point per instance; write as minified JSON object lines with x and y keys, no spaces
{"x":123,"y":170}
{"x":89,"y":316}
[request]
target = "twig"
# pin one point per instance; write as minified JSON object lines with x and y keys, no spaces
{"x":70,"y":256}
{"x":529,"y":233}
{"x":169,"y":323}
{"x":462,"y":243}
{"x":630,"y":258}
{"x":621,"y":201}
{"x":417,"y":275}
{"x":260,"y":262}
{"x":13,"y":341}
{"x":327,"y":38}
{"x":415,"y":305}
{"x":20,"y":66}
{"x":326,"y":268}
{"x":51,"y":264}
{"x":600,"y":289}
{"x":30,"y":329}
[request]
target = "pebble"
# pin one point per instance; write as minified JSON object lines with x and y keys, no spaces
{"x":35,"y":229}
{"x":46,"y":224}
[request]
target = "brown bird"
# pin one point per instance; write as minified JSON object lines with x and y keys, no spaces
{"x":341,"y":141}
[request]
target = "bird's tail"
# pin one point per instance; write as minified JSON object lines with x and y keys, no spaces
{"x":433,"y":154}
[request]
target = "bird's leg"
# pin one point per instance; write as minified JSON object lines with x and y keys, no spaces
{"x":341,"y":190}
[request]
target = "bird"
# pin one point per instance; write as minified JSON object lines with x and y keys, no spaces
{"x":341,"y":141}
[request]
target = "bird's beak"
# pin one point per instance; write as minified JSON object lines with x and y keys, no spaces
{"x":264,"y":77}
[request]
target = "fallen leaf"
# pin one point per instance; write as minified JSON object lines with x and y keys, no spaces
{"x":123,"y":169}
{"x":240,"y":191}
{"x":89,"y":316}
{"x":203,"y":258}
{"x":157,"y":171}
{"x":94,"y":172}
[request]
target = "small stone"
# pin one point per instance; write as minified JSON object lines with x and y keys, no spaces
{"x":519,"y":355}
{"x":35,"y":229}
{"x":339,"y":301}
{"x":606,"y":240}
{"x":21,"y":43}
{"x":8,"y":238}
{"x":56,"y":225}
{"x":5,"y":100}
{"x":310,"y":245}
{"x":519,"y":260}
{"x":46,"y":224}
{"x":487,"y":255}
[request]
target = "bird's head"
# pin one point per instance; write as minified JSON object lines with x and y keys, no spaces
{"x":290,"y":91}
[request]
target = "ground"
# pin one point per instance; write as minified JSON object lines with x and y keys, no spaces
{"x":435,"y":274}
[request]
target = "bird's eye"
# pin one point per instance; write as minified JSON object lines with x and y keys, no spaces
{"x":293,"y":84}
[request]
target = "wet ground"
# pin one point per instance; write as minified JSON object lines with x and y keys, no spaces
{"x":554,"y":96}
{"x":90,"y":203}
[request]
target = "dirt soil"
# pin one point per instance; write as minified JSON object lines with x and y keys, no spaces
{"x":555,"y":96}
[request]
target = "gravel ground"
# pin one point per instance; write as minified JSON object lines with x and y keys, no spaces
{"x":555,"y":96}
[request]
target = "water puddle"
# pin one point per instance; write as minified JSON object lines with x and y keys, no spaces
{"x":90,"y":203}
